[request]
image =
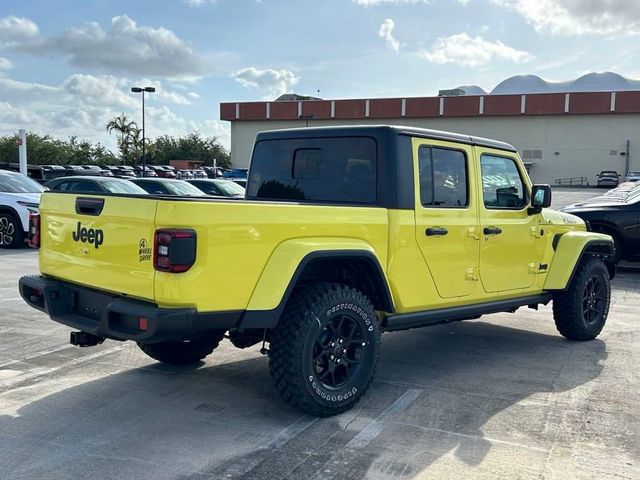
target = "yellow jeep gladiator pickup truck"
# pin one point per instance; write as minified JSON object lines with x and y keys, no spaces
{"x":345,"y":232}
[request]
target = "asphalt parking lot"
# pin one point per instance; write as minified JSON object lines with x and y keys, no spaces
{"x":500,"y":397}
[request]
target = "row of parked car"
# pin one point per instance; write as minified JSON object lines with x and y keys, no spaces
{"x":20,"y":195}
{"x":44,"y":173}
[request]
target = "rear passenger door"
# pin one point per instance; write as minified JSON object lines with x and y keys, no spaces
{"x":512,"y":245}
{"x":446,"y":214}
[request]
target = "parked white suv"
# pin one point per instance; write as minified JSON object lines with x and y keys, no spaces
{"x":632,"y":177}
{"x":19,"y":196}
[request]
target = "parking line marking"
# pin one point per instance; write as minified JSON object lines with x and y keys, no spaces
{"x":39,"y":372}
{"x":291,"y":431}
{"x":38,"y":354}
{"x":11,"y":299}
{"x":372,"y":430}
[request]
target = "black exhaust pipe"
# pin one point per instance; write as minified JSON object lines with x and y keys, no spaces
{"x":84,"y":339}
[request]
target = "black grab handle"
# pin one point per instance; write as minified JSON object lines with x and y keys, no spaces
{"x":89,"y":206}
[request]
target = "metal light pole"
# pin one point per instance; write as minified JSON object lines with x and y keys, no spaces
{"x":144,"y":146}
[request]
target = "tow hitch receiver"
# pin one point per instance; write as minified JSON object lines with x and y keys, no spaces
{"x":84,"y":339}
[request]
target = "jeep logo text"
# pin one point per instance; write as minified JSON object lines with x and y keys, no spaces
{"x":88,"y":235}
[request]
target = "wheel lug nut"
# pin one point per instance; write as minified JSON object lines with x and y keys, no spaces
{"x":332,"y":357}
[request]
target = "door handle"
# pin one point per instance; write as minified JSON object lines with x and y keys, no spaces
{"x":492,"y":230}
{"x":436,"y":231}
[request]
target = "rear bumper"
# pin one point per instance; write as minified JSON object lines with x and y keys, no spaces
{"x":117,"y":317}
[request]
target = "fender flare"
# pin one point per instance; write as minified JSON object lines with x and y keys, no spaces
{"x":570,"y":248}
{"x":286,"y":265}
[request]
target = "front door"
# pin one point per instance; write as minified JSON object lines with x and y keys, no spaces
{"x":510,"y":247}
{"x":446,"y":214}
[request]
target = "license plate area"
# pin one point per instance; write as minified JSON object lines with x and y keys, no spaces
{"x":88,"y":304}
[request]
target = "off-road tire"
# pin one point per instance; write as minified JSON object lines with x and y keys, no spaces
{"x":581,"y":311}
{"x":183,"y":353}
{"x":11,"y":234}
{"x":323,"y":322}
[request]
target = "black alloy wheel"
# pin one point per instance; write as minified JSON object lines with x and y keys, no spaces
{"x":338,"y":350}
{"x":594,"y":300}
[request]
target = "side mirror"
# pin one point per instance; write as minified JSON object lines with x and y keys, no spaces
{"x":540,"y":198}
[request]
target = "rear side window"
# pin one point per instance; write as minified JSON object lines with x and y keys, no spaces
{"x":153,"y":187}
{"x":443,"y":177}
{"x":341,"y":170}
{"x":83,"y":186}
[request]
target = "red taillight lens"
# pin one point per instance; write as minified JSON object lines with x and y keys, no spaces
{"x":174,"y":250}
{"x":34,"y":230}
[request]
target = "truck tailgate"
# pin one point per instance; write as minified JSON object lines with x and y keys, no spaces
{"x":104,"y":242}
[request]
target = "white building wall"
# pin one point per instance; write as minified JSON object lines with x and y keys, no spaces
{"x":572,"y":145}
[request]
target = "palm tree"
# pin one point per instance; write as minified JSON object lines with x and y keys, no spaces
{"x":126,"y":127}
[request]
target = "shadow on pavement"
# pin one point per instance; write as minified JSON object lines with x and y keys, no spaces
{"x":226,"y":420}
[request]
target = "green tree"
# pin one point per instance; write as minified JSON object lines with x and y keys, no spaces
{"x":190,"y":147}
{"x":129,"y":133}
{"x":47,"y":150}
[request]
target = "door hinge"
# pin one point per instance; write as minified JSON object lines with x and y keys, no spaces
{"x":471,"y":274}
{"x":472,"y":232}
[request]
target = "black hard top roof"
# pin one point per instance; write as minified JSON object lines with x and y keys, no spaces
{"x":376,"y":130}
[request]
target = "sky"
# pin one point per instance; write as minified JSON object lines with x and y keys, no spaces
{"x":67,"y":66}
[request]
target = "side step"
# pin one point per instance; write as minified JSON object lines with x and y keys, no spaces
{"x":404,"y":321}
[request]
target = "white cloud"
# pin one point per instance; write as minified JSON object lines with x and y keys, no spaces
{"x":14,"y":30}
{"x":273,"y":82}
{"x":125,"y":47}
{"x":470,"y":51}
{"x":81,"y":105}
{"x":575,"y":17}
{"x":19,"y":116}
{"x":369,"y":3}
{"x":5,"y":64}
{"x":386,"y":31}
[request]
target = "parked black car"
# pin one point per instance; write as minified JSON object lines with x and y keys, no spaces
{"x":88,"y":184}
{"x":219,"y":187}
{"x":608,"y":178}
{"x":165,"y":186}
{"x":615,"y":216}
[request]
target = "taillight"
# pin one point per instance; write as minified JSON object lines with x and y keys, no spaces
{"x":34,"y":230}
{"x":174,"y":250}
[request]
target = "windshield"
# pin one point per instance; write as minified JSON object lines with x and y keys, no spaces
{"x":19,"y":184}
{"x":178,"y":187}
{"x":123,"y":187}
{"x":230,"y":188}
